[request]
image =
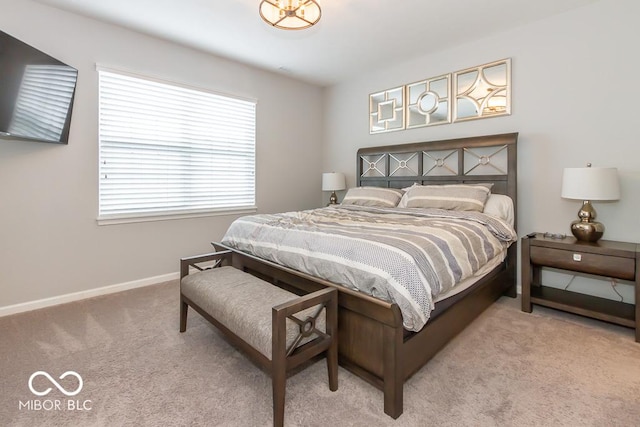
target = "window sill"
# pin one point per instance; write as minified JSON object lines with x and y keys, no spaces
{"x":147,"y":217}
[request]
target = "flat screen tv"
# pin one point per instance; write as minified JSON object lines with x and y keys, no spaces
{"x":36,"y":93}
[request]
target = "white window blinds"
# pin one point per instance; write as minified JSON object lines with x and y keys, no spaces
{"x":167,"y":149}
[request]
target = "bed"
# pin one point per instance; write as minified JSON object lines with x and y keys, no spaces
{"x":374,"y":341}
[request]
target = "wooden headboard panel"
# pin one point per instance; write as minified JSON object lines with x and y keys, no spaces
{"x":490,"y":158}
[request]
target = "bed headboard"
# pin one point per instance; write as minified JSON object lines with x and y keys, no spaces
{"x":490,"y":158}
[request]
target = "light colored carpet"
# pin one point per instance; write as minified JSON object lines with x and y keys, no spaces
{"x":507,"y":369}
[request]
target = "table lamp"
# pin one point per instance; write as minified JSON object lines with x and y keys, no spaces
{"x":333,"y":181}
{"x":588,"y":184}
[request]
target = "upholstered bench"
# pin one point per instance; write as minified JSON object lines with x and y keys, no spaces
{"x":278,"y":329}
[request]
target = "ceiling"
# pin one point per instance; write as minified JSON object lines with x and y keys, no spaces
{"x":352,"y":36}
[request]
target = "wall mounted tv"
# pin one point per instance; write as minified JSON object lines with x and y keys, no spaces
{"x":36,"y":93}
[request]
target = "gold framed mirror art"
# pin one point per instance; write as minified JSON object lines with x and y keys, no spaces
{"x":428,"y":102}
{"x":386,"y":110}
{"x":482,"y":91}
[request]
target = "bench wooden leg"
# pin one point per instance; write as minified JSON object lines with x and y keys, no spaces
{"x":278,"y":365}
{"x":332,"y":367}
{"x":183,"y":315}
{"x":279,"y":380}
{"x":332,"y":352}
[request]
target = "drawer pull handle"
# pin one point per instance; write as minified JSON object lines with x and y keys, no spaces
{"x":577,"y":257}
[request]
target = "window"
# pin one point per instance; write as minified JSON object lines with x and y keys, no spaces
{"x":169,"y":150}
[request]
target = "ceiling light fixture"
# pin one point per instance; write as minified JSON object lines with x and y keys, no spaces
{"x":290,"y":14}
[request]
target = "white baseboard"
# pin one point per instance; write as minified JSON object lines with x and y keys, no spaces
{"x":77,"y":296}
{"x":111,"y":289}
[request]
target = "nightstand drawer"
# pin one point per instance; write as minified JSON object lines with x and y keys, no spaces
{"x":603,"y":265}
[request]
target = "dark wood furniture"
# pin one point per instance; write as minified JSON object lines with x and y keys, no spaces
{"x":200,"y":289}
{"x":372,"y":341}
{"x":603,"y":258}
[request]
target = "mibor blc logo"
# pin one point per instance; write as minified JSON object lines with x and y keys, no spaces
{"x":55,"y":383}
{"x":55,"y":404}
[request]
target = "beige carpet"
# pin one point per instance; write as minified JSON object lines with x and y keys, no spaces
{"x":507,"y":369}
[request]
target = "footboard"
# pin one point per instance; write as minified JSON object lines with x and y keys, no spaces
{"x":372,"y":341}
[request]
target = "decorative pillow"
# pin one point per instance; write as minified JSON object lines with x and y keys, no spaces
{"x":459,"y":197}
{"x":373,"y":196}
{"x":500,"y":206}
{"x":403,"y":201}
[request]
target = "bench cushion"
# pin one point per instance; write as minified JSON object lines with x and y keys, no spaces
{"x":243,"y":304}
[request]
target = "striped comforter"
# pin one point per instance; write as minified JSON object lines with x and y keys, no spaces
{"x":405,"y":256}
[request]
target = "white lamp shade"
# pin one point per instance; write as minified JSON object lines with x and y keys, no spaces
{"x":333,"y":181}
{"x":590,"y":183}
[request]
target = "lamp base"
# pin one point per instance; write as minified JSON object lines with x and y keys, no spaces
{"x":333,"y":199}
{"x":587,"y":231}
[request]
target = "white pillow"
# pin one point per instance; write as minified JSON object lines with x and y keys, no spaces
{"x":500,"y":206}
{"x":403,"y":201}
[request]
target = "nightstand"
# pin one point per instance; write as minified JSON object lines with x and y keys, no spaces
{"x":604,"y":258}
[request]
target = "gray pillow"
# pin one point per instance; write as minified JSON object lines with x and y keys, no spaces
{"x":373,"y":196}
{"x":459,"y":197}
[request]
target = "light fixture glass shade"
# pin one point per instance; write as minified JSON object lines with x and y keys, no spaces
{"x":333,"y":181}
{"x":290,"y":14}
{"x":590,"y":183}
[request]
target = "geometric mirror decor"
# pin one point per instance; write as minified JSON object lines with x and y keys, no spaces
{"x":386,"y":110}
{"x":428,"y":102}
{"x":483,"y":91}
{"x":470,"y":94}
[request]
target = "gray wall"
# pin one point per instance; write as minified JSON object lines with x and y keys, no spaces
{"x":50,"y":244}
{"x":574,"y":101}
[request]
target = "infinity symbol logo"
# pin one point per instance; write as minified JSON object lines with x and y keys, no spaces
{"x":55,"y":383}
